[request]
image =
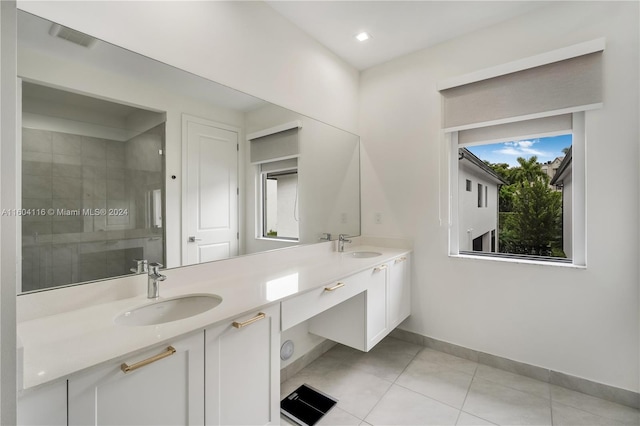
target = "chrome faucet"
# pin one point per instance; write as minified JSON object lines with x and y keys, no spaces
{"x":153,"y":289}
{"x":141,"y":266}
{"x":342,"y":238}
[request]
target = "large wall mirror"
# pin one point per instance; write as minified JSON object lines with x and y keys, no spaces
{"x":125,"y":158}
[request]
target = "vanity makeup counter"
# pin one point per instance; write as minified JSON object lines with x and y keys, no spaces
{"x":68,"y":330}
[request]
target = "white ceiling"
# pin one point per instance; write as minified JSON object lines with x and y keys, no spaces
{"x":397,"y":27}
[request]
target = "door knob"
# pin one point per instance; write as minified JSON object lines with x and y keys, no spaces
{"x":194,"y":239}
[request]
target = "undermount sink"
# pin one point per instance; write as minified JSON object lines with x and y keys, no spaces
{"x":364,"y":254}
{"x":168,"y":310}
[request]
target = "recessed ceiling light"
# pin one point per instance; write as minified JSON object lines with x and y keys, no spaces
{"x":363,"y":36}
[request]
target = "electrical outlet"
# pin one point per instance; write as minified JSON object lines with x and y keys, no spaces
{"x":377,"y":218}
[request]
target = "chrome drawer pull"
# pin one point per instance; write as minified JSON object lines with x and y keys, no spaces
{"x":401,"y":259}
{"x":379,"y":268}
{"x":250,"y":321}
{"x":126,"y":368}
{"x":335,"y":287}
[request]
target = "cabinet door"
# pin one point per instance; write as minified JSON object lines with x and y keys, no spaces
{"x":46,"y":405}
{"x":242,"y":385}
{"x":168,"y":391}
{"x":377,"y":318}
{"x":399,"y":290}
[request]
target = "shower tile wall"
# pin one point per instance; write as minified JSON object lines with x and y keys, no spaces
{"x":62,"y":171}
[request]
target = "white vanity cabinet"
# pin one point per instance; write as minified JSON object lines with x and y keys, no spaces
{"x":242,"y":379}
{"x":46,"y":405}
{"x":165,"y":386}
{"x":228,"y":374}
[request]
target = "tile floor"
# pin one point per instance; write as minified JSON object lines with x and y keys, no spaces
{"x":399,"y":383}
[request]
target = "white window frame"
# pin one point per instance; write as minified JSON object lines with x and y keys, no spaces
{"x":578,"y":233}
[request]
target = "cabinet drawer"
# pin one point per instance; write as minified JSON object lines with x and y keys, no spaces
{"x":305,"y":306}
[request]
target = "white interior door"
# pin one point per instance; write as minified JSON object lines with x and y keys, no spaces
{"x":211,"y":213}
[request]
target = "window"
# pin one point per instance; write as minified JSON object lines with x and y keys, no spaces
{"x":527,"y":214}
{"x":468,"y":185}
{"x":477,"y":244}
{"x":279,"y":200}
{"x":540,"y":96}
{"x":486,"y":196}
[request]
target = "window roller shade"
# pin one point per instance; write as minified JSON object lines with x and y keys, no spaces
{"x":276,"y":146}
{"x":274,"y":166}
{"x":539,"y":127}
{"x":566,"y":84}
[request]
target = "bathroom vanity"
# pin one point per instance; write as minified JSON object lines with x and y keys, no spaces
{"x":221,"y":366}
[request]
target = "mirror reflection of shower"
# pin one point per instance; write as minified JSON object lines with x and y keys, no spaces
{"x":92,"y":187}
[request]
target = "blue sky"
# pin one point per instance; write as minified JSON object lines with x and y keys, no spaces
{"x":546,"y":149}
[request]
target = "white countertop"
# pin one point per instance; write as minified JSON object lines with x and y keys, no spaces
{"x":61,"y":344}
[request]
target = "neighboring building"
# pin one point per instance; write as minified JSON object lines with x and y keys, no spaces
{"x":479,"y":186}
{"x":551,"y":168}
{"x":563,"y":179}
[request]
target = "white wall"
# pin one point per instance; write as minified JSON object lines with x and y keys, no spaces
{"x":328,"y":170}
{"x":583,"y":322}
{"x":244,"y":45}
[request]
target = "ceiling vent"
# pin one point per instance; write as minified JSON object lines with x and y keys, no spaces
{"x":73,"y":36}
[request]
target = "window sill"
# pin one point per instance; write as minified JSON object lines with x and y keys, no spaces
{"x":517,"y":260}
